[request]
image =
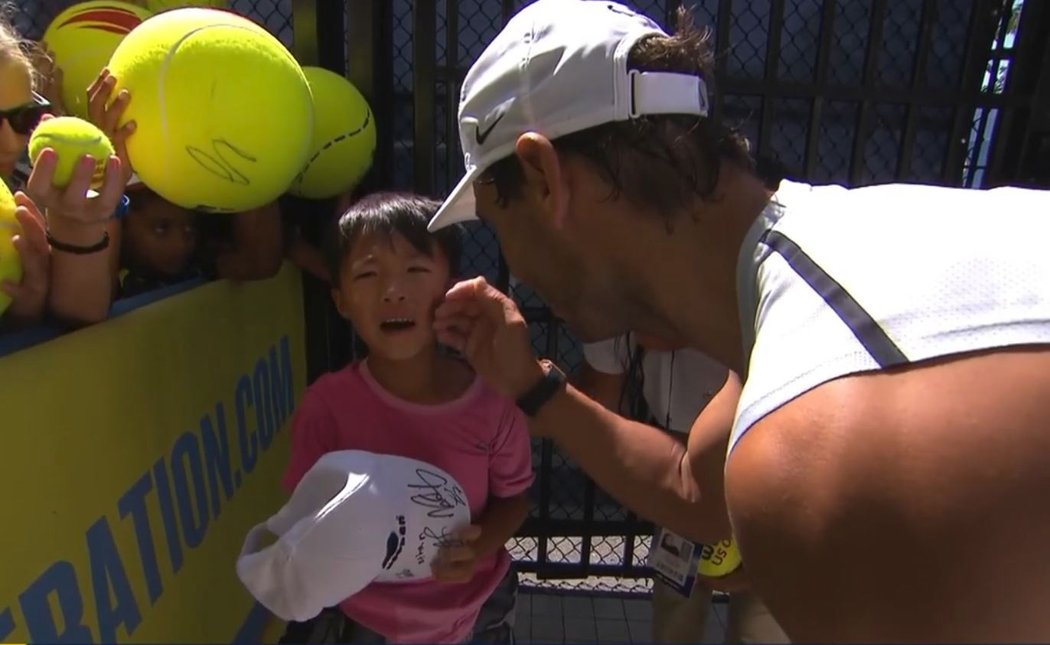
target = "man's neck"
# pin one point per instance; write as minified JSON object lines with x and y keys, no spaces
{"x":695,"y":285}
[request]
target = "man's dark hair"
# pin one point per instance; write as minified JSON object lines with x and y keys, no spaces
{"x":387,"y":213}
{"x":663,"y":162}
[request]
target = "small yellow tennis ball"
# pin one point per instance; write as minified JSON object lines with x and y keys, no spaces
{"x":71,"y":138}
{"x":10,"y":261}
{"x":344,"y":137}
{"x":717,"y":560}
{"x":82,"y":38}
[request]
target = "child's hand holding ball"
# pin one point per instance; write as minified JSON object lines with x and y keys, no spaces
{"x":76,"y":175}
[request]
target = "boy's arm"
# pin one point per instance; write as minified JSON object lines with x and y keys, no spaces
{"x":501,"y":520}
{"x":510,"y":476}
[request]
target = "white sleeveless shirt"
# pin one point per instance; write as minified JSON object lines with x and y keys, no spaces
{"x":835,"y":281}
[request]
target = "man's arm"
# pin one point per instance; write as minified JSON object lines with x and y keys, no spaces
{"x":604,"y":388}
{"x":645,"y":469}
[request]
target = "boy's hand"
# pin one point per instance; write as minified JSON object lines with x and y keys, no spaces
{"x":457,"y":563}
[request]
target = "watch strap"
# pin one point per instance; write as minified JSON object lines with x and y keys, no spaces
{"x":536,"y":397}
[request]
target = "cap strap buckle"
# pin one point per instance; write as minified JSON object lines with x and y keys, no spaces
{"x":666,"y":93}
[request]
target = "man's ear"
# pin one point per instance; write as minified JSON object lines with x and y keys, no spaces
{"x":544,"y":176}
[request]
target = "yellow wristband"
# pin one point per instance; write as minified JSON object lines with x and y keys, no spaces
{"x":717,"y":560}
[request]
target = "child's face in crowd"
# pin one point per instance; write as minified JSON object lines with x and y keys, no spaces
{"x":388,"y":291}
{"x":159,"y":235}
{"x":16,"y":90}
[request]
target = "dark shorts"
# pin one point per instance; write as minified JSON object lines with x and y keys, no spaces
{"x":495,"y":623}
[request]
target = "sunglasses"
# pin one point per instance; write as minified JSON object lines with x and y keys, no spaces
{"x":26,"y":117}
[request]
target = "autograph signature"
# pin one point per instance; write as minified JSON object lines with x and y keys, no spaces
{"x":219,"y":161}
{"x":428,"y":536}
{"x":440,"y":496}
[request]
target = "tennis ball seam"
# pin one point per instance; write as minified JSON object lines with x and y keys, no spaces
{"x":162,"y":72}
{"x":328,"y":144}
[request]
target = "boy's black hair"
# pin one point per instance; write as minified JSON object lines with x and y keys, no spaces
{"x":406,"y":214}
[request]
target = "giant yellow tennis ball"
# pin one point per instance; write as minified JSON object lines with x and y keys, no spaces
{"x":10,"y":261}
{"x":717,"y":560}
{"x":82,"y":38}
{"x":344,"y":138}
{"x":223,"y":111}
{"x":71,"y":138}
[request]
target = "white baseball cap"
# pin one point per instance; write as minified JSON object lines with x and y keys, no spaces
{"x":558,"y":67}
{"x":355,"y":517}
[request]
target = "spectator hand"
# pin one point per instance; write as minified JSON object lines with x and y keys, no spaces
{"x":29,"y":297}
{"x":457,"y":562}
{"x":72,"y":203}
{"x":486,"y":326}
{"x":106,"y":114}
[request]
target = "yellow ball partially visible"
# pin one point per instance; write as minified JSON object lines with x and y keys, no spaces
{"x":222,"y":109}
{"x":156,"y":6}
{"x":718,"y":560}
{"x":71,"y":138}
{"x":10,"y":261}
{"x":344,"y":137}
{"x":82,"y":38}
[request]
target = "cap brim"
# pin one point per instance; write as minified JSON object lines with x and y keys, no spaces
{"x":460,"y":205}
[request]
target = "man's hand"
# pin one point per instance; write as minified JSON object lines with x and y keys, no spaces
{"x":486,"y":326}
{"x":457,"y":563}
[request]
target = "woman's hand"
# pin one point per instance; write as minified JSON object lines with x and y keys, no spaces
{"x":29,"y":296}
{"x":72,"y":204}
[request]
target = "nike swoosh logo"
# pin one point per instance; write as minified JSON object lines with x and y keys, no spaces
{"x":482,"y":135}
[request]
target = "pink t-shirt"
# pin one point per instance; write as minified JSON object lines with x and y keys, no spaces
{"x":481,"y":439}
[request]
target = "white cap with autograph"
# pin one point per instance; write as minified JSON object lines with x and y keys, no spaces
{"x":355,"y":517}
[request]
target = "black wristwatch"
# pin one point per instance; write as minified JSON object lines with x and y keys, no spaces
{"x":553,"y":381}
